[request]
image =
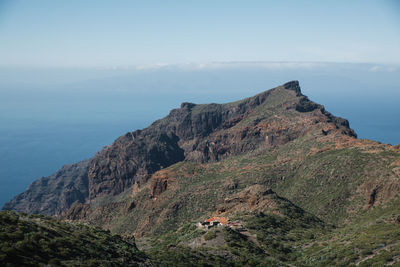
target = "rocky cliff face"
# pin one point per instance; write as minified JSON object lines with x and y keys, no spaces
{"x":53,"y":194}
{"x":198,"y":133}
{"x":287,"y":174}
{"x":132,"y":158}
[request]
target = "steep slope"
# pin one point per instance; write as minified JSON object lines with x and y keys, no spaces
{"x":269,"y":137}
{"x":335,"y":181}
{"x":303,"y":188}
{"x":201,"y":133}
{"x":198,"y":133}
{"x":37,"y":240}
{"x":53,"y":194}
{"x":264,"y":229}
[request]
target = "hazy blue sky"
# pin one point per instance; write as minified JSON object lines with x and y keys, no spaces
{"x":108,"y":33}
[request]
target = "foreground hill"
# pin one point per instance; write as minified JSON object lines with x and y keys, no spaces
{"x":37,"y":240}
{"x":302,"y":187}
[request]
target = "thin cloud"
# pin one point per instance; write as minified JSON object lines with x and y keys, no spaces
{"x":233,"y":65}
{"x":380,"y":68}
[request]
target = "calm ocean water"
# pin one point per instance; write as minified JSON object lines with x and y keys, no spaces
{"x":49,"y":118}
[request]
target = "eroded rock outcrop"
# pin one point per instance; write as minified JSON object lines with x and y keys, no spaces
{"x":56,"y":193}
{"x":132,"y":158}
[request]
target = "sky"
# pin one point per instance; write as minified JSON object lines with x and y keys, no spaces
{"x":98,"y":33}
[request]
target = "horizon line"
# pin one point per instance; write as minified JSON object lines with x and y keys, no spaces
{"x":196,"y":65}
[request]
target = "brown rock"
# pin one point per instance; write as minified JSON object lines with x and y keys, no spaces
{"x":199,"y":133}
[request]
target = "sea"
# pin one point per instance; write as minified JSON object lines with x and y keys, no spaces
{"x":50,"y":117}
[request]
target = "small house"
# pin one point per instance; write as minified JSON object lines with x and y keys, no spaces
{"x":212,"y":222}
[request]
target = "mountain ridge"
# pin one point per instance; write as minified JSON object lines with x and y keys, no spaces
{"x":292,"y":183}
{"x":143,"y":152}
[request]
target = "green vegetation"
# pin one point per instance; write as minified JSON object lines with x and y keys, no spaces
{"x":37,"y":240}
{"x":299,"y":188}
{"x":374,"y":245}
{"x":237,"y":250}
{"x":210,"y":235}
{"x":171,"y":249}
{"x":276,"y":240}
{"x":331,"y":184}
{"x":325,"y":183}
{"x":185,"y":233}
{"x":267,"y":240}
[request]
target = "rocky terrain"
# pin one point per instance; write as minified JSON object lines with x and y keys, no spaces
{"x":305,"y":189}
{"x":197,"y":133}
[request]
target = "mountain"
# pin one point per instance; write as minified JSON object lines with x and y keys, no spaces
{"x":295,"y":184}
{"x":196,"y":133}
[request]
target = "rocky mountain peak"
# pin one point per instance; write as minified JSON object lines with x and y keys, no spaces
{"x":194,"y":132}
{"x":293,"y":85}
{"x":187,"y":106}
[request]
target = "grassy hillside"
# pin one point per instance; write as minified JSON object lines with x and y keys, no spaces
{"x":270,"y":237}
{"x":272,"y":240}
{"x":304,"y":190}
{"x":36,"y":240}
{"x":337,"y":184}
{"x":351,"y":186}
